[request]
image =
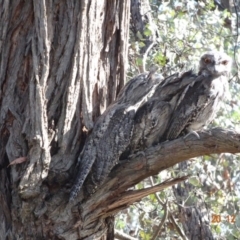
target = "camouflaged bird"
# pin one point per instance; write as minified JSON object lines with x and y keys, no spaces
{"x":150,"y":110}
{"x":183,"y":102}
{"x":112,"y":131}
{"x":199,"y":102}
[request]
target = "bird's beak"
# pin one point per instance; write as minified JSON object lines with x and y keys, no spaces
{"x":215,"y":69}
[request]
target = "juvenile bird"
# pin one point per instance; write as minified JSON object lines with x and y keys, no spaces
{"x":149,"y":110}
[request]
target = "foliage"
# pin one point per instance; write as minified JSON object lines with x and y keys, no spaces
{"x":186,"y":29}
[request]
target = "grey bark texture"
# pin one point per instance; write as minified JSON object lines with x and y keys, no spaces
{"x":61,"y":64}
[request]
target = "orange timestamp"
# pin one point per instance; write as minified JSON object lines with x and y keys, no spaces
{"x":216,"y":218}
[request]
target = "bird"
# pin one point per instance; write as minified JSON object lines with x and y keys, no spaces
{"x":182,"y":103}
{"x":150,"y":110}
{"x":113,"y":130}
{"x":199,"y":102}
{"x":149,"y":124}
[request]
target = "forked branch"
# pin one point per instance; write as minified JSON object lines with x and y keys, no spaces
{"x":113,"y":195}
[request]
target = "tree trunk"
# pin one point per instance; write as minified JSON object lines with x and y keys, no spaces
{"x":61,"y":64}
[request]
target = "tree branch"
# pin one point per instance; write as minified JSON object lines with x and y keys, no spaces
{"x":123,"y":236}
{"x":167,"y":154}
{"x":131,"y":196}
{"x":152,"y":161}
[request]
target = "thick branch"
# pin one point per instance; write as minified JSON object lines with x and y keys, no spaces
{"x":123,"y":236}
{"x":154,"y":160}
{"x":169,"y":153}
{"x":113,"y":196}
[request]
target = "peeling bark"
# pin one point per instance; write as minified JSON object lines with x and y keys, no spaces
{"x":61,"y":64}
{"x":113,"y":195}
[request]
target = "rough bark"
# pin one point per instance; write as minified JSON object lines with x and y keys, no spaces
{"x":113,"y":195}
{"x":61,"y":64}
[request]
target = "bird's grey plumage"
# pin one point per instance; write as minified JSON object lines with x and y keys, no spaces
{"x":149,"y":110}
{"x":113,"y":130}
{"x":115,"y":140}
{"x":198,"y":104}
{"x":139,"y":88}
{"x":150,"y":123}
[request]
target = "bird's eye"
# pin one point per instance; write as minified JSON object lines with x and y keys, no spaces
{"x":225,"y":62}
{"x":207,"y":60}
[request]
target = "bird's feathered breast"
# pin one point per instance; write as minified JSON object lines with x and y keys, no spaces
{"x":149,"y":110}
{"x":196,"y":104}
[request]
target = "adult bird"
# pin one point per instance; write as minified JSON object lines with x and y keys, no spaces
{"x":182,"y":103}
{"x":112,"y":132}
{"x":149,"y":110}
{"x":200,"y":101}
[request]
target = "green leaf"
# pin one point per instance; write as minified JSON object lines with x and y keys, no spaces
{"x":194,"y":181}
{"x":147,"y":32}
